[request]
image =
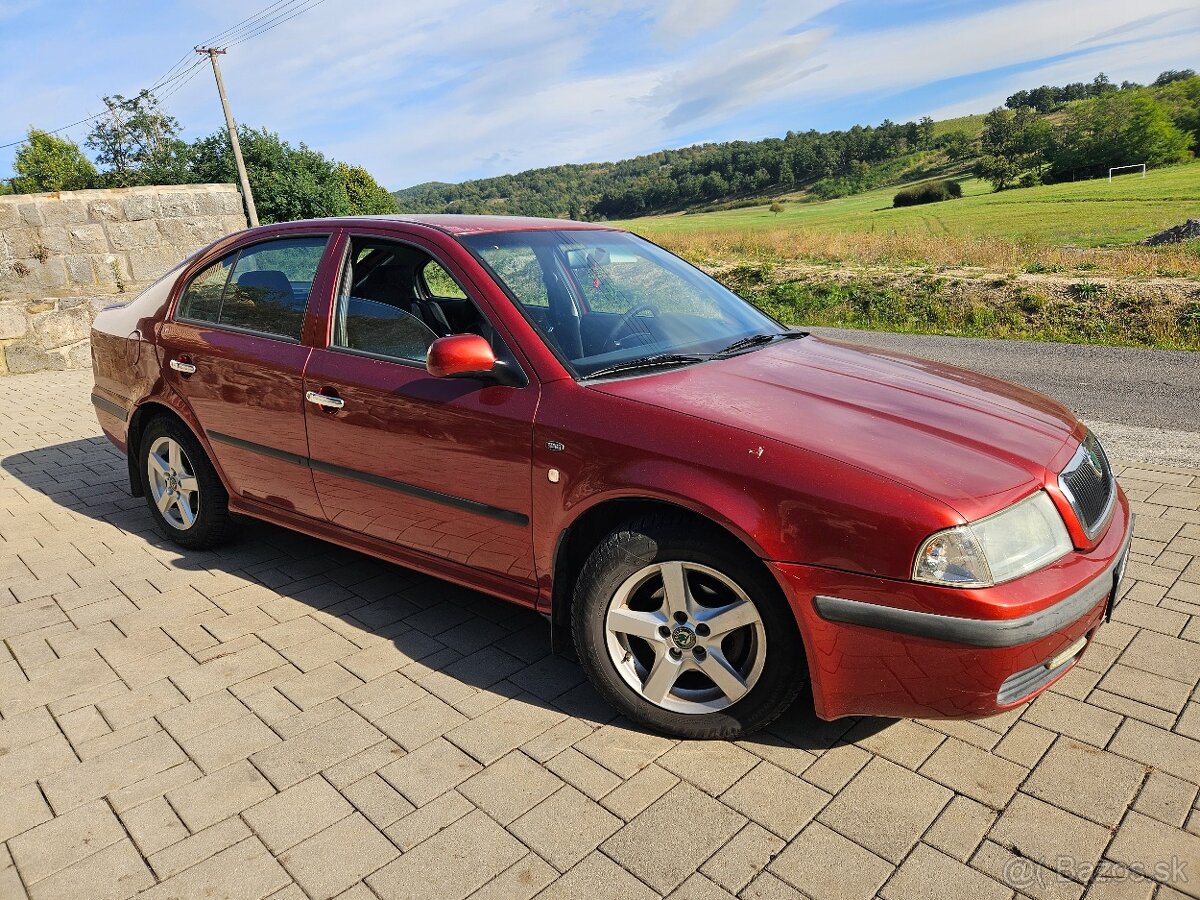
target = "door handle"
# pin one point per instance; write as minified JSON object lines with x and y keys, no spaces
{"x":324,"y":400}
{"x":181,"y":365}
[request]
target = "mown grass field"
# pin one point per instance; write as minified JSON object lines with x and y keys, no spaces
{"x":1080,"y":214}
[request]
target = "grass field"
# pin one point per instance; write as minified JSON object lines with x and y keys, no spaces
{"x":1082,"y":214}
{"x":1056,"y":262}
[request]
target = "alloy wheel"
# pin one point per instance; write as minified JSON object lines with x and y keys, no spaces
{"x":685,"y":637}
{"x":173,"y":485}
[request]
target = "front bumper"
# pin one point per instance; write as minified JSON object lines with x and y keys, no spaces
{"x":888,"y":648}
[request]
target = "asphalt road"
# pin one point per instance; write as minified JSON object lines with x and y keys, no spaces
{"x":1144,"y":404}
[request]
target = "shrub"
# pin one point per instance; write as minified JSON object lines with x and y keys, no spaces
{"x":928,"y":192}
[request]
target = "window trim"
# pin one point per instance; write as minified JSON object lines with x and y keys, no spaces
{"x":236,"y":254}
{"x":337,"y":282}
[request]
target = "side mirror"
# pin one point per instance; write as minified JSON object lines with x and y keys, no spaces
{"x":460,"y":355}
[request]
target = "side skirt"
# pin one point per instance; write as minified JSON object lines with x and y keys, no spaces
{"x":447,"y":570}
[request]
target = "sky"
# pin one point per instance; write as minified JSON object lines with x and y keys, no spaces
{"x":457,"y":89}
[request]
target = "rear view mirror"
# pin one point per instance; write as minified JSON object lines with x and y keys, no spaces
{"x":460,"y":356}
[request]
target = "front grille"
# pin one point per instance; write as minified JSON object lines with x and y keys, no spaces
{"x":1089,"y":486}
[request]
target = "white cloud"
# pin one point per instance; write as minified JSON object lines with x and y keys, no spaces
{"x":455,"y":89}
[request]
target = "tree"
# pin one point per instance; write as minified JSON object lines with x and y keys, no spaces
{"x":956,"y":144}
{"x":48,"y":163}
{"x":365,"y":195}
{"x":1172,"y":75}
{"x":1117,"y":129}
{"x":289,"y":182}
{"x":138,"y":142}
{"x":1012,"y":143}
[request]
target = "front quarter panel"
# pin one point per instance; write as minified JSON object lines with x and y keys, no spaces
{"x":783,"y":503}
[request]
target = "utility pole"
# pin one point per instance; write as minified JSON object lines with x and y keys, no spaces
{"x":247,"y":194}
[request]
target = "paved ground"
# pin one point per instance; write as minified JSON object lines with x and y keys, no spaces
{"x":1145,"y":404}
{"x":289,"y":719}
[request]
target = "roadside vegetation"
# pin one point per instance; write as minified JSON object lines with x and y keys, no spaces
{"x":137,"y":143}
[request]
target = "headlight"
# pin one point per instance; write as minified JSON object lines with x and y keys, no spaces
{"x":1026,"y":536}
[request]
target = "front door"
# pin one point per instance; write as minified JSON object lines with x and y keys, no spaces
{"x":438,"y":466}
{"x":232,"y":351}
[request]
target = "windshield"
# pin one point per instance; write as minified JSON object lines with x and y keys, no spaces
{"x":603,"y":298}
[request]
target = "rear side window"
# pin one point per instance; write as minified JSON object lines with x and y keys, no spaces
{"x":266,"y":292}
{"x":201,"y":301}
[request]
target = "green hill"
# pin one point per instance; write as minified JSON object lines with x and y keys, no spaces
{"x":1055,"y":133}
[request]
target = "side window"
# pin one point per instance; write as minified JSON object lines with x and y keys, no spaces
{"x":201,"y":302}
{"x":269,"y":286}
{"x":381,"y":330}
{"x":440,"y":282}
{"x":266,"y":291}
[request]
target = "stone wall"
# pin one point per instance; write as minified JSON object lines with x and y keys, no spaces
{"x":65,"y":255}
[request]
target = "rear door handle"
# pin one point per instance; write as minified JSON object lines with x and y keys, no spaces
{"x":183,"y":366}
{"x":324,"y":400}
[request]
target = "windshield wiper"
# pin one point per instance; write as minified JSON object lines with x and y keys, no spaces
{"x":649,"y":362}
{"x":754,"y":340}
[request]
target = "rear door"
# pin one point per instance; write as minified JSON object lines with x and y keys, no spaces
{"x":440,"y":466}
{"x":233,"y":351}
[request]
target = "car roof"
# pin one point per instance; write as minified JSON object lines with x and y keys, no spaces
{"x":462,"y":224}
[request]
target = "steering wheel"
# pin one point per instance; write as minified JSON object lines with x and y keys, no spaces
{"x":627,"y":319}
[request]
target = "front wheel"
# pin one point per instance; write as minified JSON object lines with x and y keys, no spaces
{"x":684,"y":632}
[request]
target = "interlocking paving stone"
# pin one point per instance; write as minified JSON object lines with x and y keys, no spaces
{"x":926,"y":873}
{"x":886,"y":808}
{"x":285,"y":819}
{"x":311,"y":751}
{"x":108,"y":772}
{"x":248,"y":715}
{"x":218,"y":796}
{"x":56,"y":844}
{"x":1160,"y":851}
{"x":971,"y":771}
{"x":452,"y":863}
{"x":332,"y":860}
{"x":775,"y":799}
{"x":1086,"y":781}
{"x":429,"y":771}
{"x":510,"y":787}
{"x":1047,"y":834}
{"x":565,"y":827}
{"x":826,"y":866}
{"x":113,"y":873}
{"x":673,"y":837}
{"x":744,"y":856}
{"x":597,"y":869}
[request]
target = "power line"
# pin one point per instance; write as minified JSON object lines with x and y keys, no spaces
{"x":311,"y":5}
{"x":266,"y":19}
{"x":229,"y":33}
{"x":91,"y":118}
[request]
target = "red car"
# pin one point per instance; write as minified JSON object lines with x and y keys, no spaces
{"x":722,"y":512}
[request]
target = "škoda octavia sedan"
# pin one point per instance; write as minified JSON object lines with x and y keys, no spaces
{"x":720,"y":512}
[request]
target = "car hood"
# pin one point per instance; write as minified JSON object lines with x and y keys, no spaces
{"x":957,"y":436}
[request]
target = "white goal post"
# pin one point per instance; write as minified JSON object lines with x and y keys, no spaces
{"x":1141,"y":166}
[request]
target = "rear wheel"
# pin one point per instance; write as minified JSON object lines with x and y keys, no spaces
{"x":684,"y":632}
{"x":186,"y":498}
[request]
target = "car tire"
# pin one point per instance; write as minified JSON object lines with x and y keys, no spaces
{"x":641,"y":616}
{"x":185,"y":496}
